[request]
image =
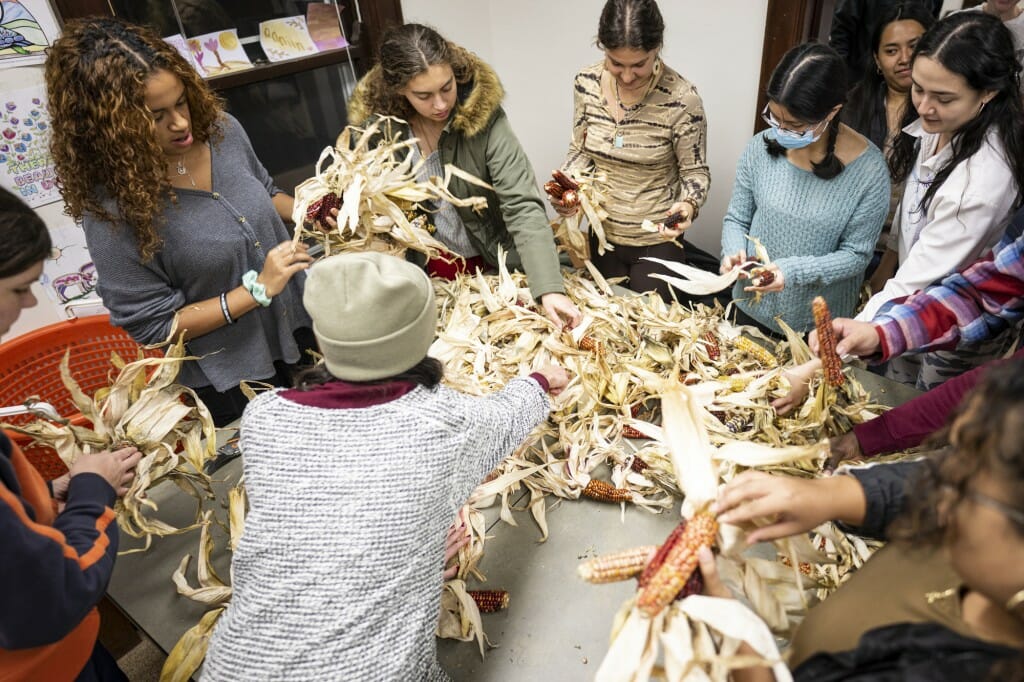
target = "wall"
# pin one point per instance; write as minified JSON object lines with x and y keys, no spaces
{"x":47,"y":311}
{"x":537,"y":46}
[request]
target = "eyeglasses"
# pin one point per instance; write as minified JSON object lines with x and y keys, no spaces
{"x":767,"y":117}
{"x":992,"y":503}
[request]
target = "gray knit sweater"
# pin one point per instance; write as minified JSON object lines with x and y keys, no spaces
{"x":338,"y":573}
{"x":210,"y":239}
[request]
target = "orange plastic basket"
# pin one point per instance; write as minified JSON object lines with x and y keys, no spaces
{"x":30,"y":366}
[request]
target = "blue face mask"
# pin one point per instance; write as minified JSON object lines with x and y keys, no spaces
{"x":789,"y":139}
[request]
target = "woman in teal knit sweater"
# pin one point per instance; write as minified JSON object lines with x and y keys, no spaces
{"x":813,"y":191}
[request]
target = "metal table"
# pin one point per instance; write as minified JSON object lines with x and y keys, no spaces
{"x":555,"y":624}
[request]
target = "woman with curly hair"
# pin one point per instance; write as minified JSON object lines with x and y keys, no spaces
{"x":944,"y":600}
{"x":452,"y":103}
{"x":183,"y":222}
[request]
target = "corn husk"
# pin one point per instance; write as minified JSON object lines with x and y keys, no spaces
{"x":142,"y":407}
{"x":373,"y":172}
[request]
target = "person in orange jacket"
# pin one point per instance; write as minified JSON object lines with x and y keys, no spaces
{"x":55,"y":566}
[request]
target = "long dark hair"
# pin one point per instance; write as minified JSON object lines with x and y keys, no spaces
{"x":634,"y":24}
{"x":428,"y":373}
{"x":865,"y":107}
{"x":810,"y":81}
{"x":26,"y":240}
{"x":978,"y":47}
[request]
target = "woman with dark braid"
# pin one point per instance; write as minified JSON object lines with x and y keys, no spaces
{"x":812,"y":190}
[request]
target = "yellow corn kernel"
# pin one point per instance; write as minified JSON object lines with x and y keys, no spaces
{"x":680,"y":563}
{"x":756,"y":351}
{"x":611,"y":568}
{"x":603,"y":491}
{"x":830,"y":361}
{"x":489,"y":601}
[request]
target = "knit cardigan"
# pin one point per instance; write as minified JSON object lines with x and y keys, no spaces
{"x":821,"y":233}
{"x":338,"y":572}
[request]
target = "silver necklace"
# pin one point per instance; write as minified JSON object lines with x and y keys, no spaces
{"x":182,"y":170}
{"x":619,"y":138}
{"x":425,"y":149}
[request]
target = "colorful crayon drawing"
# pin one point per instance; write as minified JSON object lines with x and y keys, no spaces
{"x":26,"y":29}
{"x":26,"y":167}
{"x":217,"y":53}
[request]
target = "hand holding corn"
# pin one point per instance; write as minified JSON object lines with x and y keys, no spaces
{"x":852,"y":338}
{"x":117,"y":468}
{"x":787,"y":505}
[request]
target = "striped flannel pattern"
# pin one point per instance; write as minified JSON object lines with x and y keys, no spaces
{"x":663,"y":157}
{"x":338,"y":573}
{"x":966,"y":308}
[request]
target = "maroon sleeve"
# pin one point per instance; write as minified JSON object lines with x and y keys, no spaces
{"x":909,"y":424}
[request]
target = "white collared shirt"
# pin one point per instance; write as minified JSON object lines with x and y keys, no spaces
{"x":966,"y":216}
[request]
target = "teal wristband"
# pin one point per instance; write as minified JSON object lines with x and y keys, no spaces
{"x":258,"y":291}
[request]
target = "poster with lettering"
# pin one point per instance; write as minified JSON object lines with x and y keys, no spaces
{"x":286,"y":38}
{"x":25,"y":164}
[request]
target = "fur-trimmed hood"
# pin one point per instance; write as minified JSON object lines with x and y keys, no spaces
{"x":477,"y":102}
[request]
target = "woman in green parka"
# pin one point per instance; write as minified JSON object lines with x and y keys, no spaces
{"x":452,"y":101}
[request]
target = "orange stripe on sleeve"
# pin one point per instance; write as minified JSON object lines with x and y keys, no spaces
{"x":85,"y":560}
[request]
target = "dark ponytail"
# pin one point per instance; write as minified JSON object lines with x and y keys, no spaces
{"x":810,"y":81}
{"x":830,"y":166}
{"x":978,"y":47}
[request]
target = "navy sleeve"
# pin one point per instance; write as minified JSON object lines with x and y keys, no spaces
{"x":50,"y":578}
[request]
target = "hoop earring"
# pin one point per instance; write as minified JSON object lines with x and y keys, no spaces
{"x":1016,"y":600}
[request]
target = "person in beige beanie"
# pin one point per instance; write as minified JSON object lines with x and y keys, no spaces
{"x":353,"y":479}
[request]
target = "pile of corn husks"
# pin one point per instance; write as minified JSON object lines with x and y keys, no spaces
{"x":145,"y":408}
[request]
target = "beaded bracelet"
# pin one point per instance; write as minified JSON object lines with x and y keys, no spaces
{"x":224,"y":308}
{"x":258,"y":291}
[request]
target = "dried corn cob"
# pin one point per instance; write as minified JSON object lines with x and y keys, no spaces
{"x":737,"y":423}
{"x":603,"y":491}
{"x":638,"y":465}
{"x":591,"y":344}
{"x":827,"y":343}
{"x":320,"y":209}
{"x":631,"y":432}
{"x":680,"y":562}
{"x":711,"y":344}
{"x":490,"y":601}
{"x":804,"y":567}
{"x":659,"y":557}
{"x":762,"y":277}
{"x":611,"y":568}
{"x":554,"y":189}
{"x":564,"y":180}
{"x":756,"y":351}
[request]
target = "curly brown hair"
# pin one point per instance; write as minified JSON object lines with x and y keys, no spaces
{"x":405,"y":52}
{"x":984,"y":435}
{"x":104,"y":138}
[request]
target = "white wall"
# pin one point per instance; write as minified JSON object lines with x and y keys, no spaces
{"x":47,"y":311}
{"x":537,"y":46}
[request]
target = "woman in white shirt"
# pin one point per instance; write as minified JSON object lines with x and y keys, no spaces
{"x":962,"y":159}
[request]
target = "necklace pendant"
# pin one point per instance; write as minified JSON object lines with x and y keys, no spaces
{"x":618,"y":141}
{"x":181,"y":168}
